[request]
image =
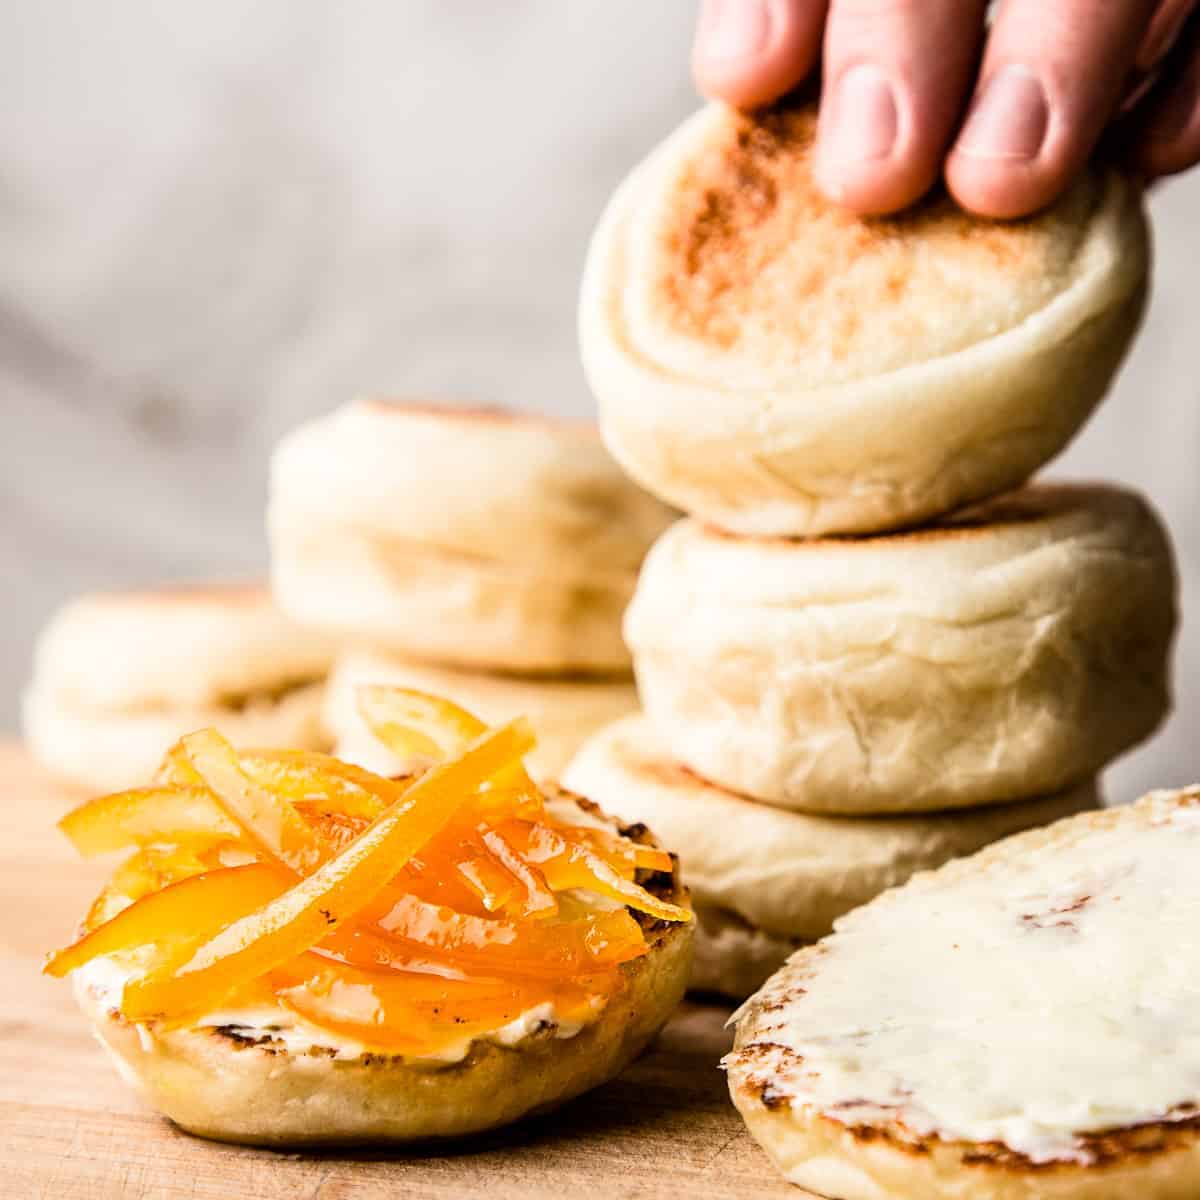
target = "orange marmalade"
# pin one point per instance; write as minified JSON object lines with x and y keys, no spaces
{"x":402,"y":915}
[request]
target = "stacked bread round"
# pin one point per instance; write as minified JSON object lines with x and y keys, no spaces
{"x":480,"y":554}
{"x":118,"y":676}
{"x":873,"y":645}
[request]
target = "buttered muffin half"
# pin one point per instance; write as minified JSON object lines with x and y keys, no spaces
{"x":1018,"y":1025}
{"x":565,"y":712}
{"x":119,"y":675}
{"x":297,"y":951}
{"x":472,"y":537}
{"x":764,"y":881}
{"x":1009,"y":652}
{"x":301,"y":1064}
{"x":775,"y":365}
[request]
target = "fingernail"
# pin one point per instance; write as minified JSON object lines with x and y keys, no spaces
{"x":1009,"y":119}
{"x":864,"y":121}
{"x":733,"y":29}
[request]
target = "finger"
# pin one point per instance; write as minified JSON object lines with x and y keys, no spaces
{"x":750,"y":52}
{"x":1166,"y":28}
{"x":1163,"y":137}
{"x":1163,"y":32}
{"x":895,"y":77}
{"x":1052,"y":75}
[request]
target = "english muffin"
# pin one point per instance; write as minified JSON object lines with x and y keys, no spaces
{"x":472,"y":537}
{"x":1008,"y":652}
{"x":262,"y":1075}
{"x":772,"y":364}
{"x":301,"y":952}
{"x":118,"y":676}
{"x":1018,"y":1025}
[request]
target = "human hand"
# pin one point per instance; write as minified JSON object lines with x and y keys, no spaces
{"x":1009,"y":114}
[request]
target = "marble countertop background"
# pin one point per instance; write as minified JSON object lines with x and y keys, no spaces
{"x":217,"y":220}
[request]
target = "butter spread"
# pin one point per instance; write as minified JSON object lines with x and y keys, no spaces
{"x":105,"y":979}
{"x":1048,"y":995}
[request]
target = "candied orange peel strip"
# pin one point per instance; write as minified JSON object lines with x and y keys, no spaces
{"x":537,"y":900}
{"x":305,"y":776}
{"x":411,"y":722}
{"x":265,"y":816}
{"x":520,"y":947}
{"x":567,"y":864}
{"x":171,"y":919}
{"x":187,"y":808}
{"x":149,"y":871}
{"x":266,"y":938}
{"x":619,"y":852}
{"x":144,"y":817}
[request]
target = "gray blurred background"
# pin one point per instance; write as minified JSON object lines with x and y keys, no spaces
{"x":219,"y":219}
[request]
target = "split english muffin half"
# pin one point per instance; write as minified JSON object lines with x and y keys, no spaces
{"x":118,"y":676}
{"x":298,"y":951}
{"x":1018,"y":1025}
{"x":1009,"y":651}
{"x":775,"y":365}
{"x":764,"y":881}
{"x":260,"y":1075}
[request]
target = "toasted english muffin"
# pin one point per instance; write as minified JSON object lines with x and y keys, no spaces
{"x":471,"y":537}
{"x":118,"y":676}
{"x":565,"y":712}
{"x":1009,"y":652}
{"x":764,"y":881}
{"x":1018,"y":1025}
{"x":771,"y":363}
{"x":266,"y":1078}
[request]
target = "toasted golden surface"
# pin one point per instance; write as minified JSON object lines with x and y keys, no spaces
{"x":754,"y":259}
{"x":771,"y":364}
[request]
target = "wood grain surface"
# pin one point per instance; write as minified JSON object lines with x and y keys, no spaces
{"x":70,"y":1130}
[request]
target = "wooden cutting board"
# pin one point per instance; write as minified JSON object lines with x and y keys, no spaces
{"x":69,"y":1129}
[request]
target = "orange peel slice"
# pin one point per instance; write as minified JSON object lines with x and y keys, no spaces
{"x":171,"y":919}
{"x":263,"y":814}
{"x":144,"y":817}
{"x":267,"y":937}
{"x":567,"y":864}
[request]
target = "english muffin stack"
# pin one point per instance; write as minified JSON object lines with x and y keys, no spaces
{"x":831,"y":706}
{"x":476,"y":554}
